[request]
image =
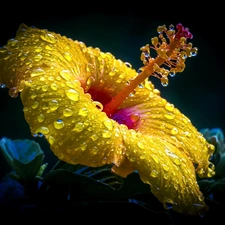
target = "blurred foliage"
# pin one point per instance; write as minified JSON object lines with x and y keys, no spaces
{"x":70,"y":190}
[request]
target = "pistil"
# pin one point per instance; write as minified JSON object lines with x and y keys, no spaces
{"x":172,"y":50}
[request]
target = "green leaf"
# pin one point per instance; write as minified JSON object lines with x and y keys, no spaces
{"x":24,"y":156}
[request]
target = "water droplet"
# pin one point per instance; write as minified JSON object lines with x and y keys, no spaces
{"x":169,"y":107}
{"x":142,"y":157}
{"x":53,"y":105}
{"x":39,"y":134}
{"x":38,"y":49}
{"x":67,"y":56}
{"x":2,"y":86}
{"x":48,"y":38}
{"x":51,"y":140}
{"x":94,"y":137}
{"x":44,"y":88}
{"x":168,"y":205}
{"x":67,"y":112}
{"x":90,"y":81}
{"x":72,"y":95}
{"x":165,"y":167}
{"x":43,"y":130}
{"x":58,"y":124}
{"x":98,"y":105}
{"x":164,"y":81}
{"x":134,"y":118}
{"x":154,"y":173}
{"x":51,"y":78}
{"x":174,"y":131}
{"x":13,"y":92}
{"x":128,"y":64}
{"x":40,"y":118}
{"x":65,"y":74}
{"x":172,"y":74}
{"x":177,"y":161}
{"x":94,"y":150}
{"x":83,"y":146}
{"x":37,"y":72}
{"x":33,"y":96}
{"x":37,"y":57}
{"x":140,"y":145}
{"x":83,"y":112}
{"x":79,"y":127}
{"x":169,"y":116}
{"x":35,"y":105}
{"x":74,"y":161}
{"x":106,"y":134}
{"x":54,"y":87}
{"x":109,"y":124}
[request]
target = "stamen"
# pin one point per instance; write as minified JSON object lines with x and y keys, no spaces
{"x":172,"y":50}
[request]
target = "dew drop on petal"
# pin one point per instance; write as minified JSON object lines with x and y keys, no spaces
{"x":72,"y":95}
{"x":169,"y":116}
{"x":106,"y":134}
{"x":65,"y":74}
{"x":165,"y":167}
{"x":43,"y":130}
{"x":108,"y":124}
{"x":140,"y":145}
{"x":174,"y":131}
{"x":67,"y":112}
{"x":74,"y":161}
{"x":48,"y":38}
{"x":40,"y":118}
{"x":44,"y":88}
{"x":67,"y":56}
{"x":37,"y":72}
{"x":83,"y":146}
{"x":94,"y":137}
{"x":53,"y":105}
{"x":58,"y":124}
{"x":34,"y":105}
{"x":54,"y":87}
{"x":169,"y":107}
{"x":83,"y":112}
{"x":94,"y":150}
{"x":79,"y":127}
{"x":154,"y":173}
{"x":51,"y":140}
{"x":177,"y":161}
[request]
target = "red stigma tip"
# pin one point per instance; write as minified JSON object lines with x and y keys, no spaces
{"x":182,"y":32}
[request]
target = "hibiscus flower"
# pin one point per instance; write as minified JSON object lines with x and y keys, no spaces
{"x":94,"y":109}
